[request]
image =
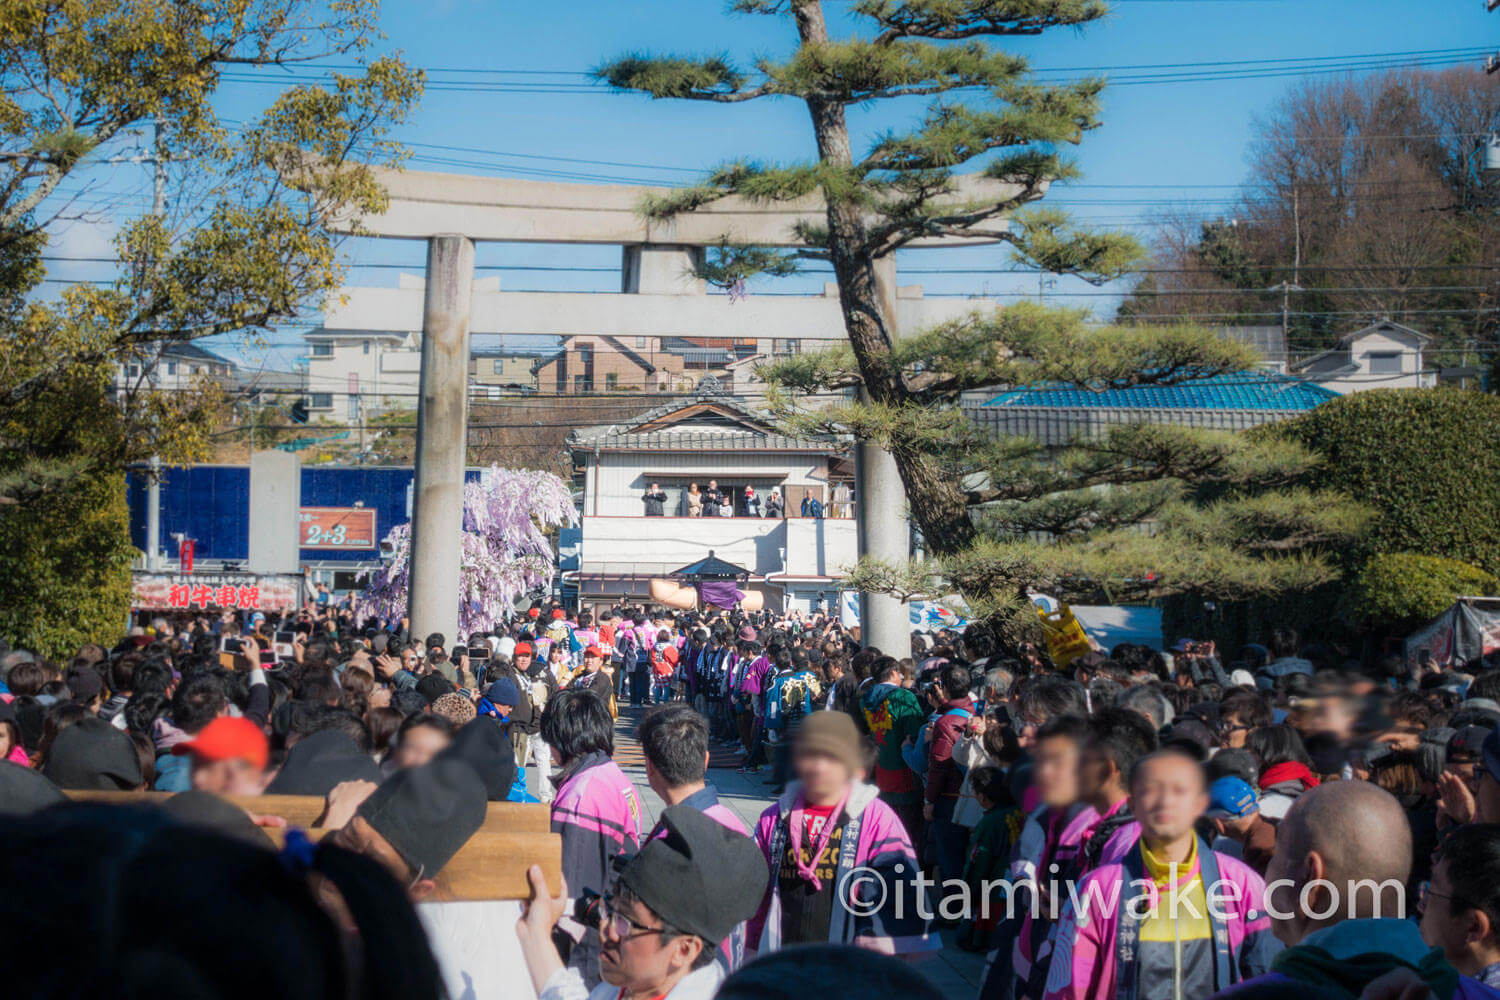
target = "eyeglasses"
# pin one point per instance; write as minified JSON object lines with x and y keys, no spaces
{"x":1425,"y":889}
{"x":618,"y":924}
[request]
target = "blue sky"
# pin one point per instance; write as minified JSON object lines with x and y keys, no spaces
{"x":1179,"y":142}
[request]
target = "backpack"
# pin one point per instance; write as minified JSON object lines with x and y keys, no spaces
{"x":523,"y":714}
{"x":625,"y":646}
{"x":917,"y":755}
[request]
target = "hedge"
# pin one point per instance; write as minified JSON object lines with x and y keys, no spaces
{"x":1405,"y":589}
{"x":66,"y":578}
{"x":1428,"y":461}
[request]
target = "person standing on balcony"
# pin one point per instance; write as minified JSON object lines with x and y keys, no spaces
{"x":694,"y":501}
{"x":712,"y":499}
{"x":655,"y":501}
{"x":775,"y":505}
{"x":842,"y":500}
{"x":752,"y":502}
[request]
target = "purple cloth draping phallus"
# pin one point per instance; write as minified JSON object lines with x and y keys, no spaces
{"x":720,"y":593}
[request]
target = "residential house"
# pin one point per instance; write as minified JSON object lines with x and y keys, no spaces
{"x":708,"y":436}
{"x":496,"y":373}
{"x":596,"y":363}
{"x":171,"y":365}
{"x":1383,"y":355}
{"x":355,"y":374}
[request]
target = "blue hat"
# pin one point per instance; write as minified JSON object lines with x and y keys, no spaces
{"x":1489,"y":752}
{"x":503,"y":692}
{"x":1231,"y":798}
{"x":259,"y":616}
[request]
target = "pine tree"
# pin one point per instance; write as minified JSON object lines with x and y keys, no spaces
{"x":984,"y":150}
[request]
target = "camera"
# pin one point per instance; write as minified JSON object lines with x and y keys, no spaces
{"x":587,"y":907}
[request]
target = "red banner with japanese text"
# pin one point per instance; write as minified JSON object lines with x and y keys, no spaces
{"x":208,"y":591}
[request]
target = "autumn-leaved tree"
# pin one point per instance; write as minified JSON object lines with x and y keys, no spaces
{"x":985,"y":148}
{"x":1364,"y":193}
{"x":241,"y":245}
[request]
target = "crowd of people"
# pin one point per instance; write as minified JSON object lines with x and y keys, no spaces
{"x":711,"y":501}
{"x":1282,"y":822}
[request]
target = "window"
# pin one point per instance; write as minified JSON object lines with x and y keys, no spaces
{"x":132,"y":370}
{"x":640,"y":343}
{"x":366,"y":346}
{"x":612,"y":381}
{"x":171,"y":368}
{"x":322,"y":350}
{"x":498,"y":366}
{"x":1385,"y":363}
{"x":582,"y":383}
{"x":320,"y":401}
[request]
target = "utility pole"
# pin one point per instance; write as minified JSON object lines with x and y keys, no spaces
{"x":153,"y":487}
{"x":1286,"y":288}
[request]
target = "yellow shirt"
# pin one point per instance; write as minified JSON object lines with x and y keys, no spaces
{"x":1179,"y":920}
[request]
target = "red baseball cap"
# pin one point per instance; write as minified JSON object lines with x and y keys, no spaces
{"x":533,"y":612}
{"x":559,"y":613}
{"x":594,"y":651}
{"x":229,"y":738}
{"x":523,"y":648}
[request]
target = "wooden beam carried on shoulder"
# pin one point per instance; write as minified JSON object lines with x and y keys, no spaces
{"x":491,"y":865}
{"x":305,"y":810}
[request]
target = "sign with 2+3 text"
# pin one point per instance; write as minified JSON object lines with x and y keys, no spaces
{"x":336,"y":528}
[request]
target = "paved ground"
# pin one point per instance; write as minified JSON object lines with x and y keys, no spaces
{"x":957,"y":973}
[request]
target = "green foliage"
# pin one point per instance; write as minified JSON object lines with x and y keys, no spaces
{"x":1136,"y":512}
{"x":67,"y":569}
{"x":1426,"y":460}
{"x":987,"y":110}
{"x":727,"y":265}
{"x":1403,"y":589}
{"x":242,"y":243}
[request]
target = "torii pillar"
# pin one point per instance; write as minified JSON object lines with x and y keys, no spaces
{"x":880,"y":515}
{"x":442,"y":438}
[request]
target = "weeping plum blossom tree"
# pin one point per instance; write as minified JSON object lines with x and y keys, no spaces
{"x":506,"y":553}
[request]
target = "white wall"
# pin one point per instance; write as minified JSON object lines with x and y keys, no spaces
{"x":387,"y":374}
{"x":654,"y":545}
{"x":1379,"y":341}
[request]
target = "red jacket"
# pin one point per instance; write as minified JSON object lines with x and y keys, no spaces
{"x":944,"y":779}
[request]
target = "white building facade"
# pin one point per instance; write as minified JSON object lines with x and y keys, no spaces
{"x":710,"y":437}
{"x":1383,"y":355}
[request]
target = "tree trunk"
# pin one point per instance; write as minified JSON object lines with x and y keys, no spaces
{"x":937,"y":502}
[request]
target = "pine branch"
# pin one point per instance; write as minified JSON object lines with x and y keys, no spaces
{"x":707,"y":78}
{"x":952,"y":134}
{"x":1047,"y":240}
{"x":957,"y":19}
{"x":729,"y":265}
{"x":857,"y":70}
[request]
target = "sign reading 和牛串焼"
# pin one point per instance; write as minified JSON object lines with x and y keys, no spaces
{"x":336,"y":528}
{"x":221,"y":591}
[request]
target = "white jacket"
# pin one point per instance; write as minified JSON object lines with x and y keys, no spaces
{"x":567,"y":984}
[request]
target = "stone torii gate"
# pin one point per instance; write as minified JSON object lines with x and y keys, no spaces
{"x":452,"y":212}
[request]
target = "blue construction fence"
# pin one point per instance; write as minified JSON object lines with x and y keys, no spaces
{"x":211,"y":505}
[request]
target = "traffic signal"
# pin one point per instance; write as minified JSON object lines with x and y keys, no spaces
{"x":299,"y":411}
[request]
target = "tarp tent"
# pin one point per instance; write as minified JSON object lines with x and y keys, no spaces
{"x":1466,"y":631}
